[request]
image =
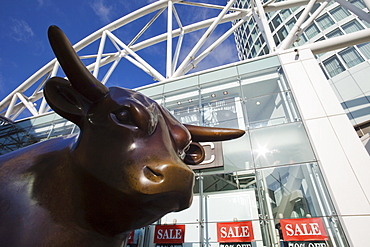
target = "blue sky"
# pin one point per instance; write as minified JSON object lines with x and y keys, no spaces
{"x":24,"y":47}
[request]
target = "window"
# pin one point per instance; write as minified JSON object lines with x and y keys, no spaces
{"x":302,"y":39}
{"x":253,"y":52}
{"x":315,"y":7}
{"x":320,"y":39}
{"x":281,"y":145}
{"x":220,"y":103}
{"x":276,"y":39}
{"x":254,"y":33}
{"x":365,"y":49}
{"x":299,"y":14}
{"x":335,"y":33}
{"x":251,"y":23}
{"x":312,"y":31}
{"x":276,"y":21}
{"x":257,"y":45}
{"x":290,"y":23}
{"x":271,"y":27}
{"x":352,"y":26}
{"x":325,"y":21}
{"x":358,"y":4}
{"x":285,"y":13}
{"x":282,"y":33}
{"x":333,"y":66}
{"x":351,"y":57}
{"x":339,"y":13}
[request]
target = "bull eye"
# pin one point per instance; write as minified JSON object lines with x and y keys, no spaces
{"x":122,"y":117}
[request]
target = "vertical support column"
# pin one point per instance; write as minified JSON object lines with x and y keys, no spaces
{"x":339,"y":151}
{"x":201,"y":214}
{"x":169,"y":40}
{"x":263,"y":25}
{"x":289,"y":40}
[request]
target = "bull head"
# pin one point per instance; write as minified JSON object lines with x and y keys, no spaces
{"x":127,"y":142}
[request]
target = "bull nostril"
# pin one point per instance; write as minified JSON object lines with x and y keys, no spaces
{"x":152,"y":175}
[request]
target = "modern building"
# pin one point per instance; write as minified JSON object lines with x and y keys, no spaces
{"x":298,"y":177}
{"x":346,"y":69}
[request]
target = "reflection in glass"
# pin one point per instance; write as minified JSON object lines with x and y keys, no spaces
{"x":281,"y":145}
{"x":237,"y":154}
{"x":221,"y":105}
{"x":298,"y":191}
{"x":184,"y":105}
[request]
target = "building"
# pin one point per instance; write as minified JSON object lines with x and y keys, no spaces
{"x":298,"y":177}
{"x":346,"y":69}
{"x":289,"y":165}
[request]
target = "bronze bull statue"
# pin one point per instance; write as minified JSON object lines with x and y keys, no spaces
{"x":125,"y":170}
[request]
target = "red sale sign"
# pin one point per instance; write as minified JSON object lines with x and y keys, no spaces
{"x":305,"y":229}
{"x":234,"y":232}
{"x":131,"y":237}
{"x":169,"y":234}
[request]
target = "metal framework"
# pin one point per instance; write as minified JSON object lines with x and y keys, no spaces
{"x":22,"y":98}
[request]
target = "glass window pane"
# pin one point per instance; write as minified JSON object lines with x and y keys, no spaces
{"x":312,"y":31}
{"x":290,"y":23}
{"x":335,"y":33}
{"x":184,"y":105}
{"x":299,"y":193}
{"x":352,"y":26}
{"x":270,"y":110}
{"x":253,"y":52}
{"x":276,"y":21}
{"x":285,"y":13}
{"x":257,"y":45}
{"x":276,"y":39}
{"x":358,"y":4}
{"x":351,"y":57}
{"x":281,"y":145}
{"x":260,"y":85}
{"x":221,"y":104}
{"x":299,"y":14}
{"x":282,"y":33}
{"x":315,"y":7}
{"x":237,"y":154}
{"x":339,"y":13}
{"x":296,"y":191}
{"x":325,"y":21}
{"x":365,"y":49}
{"x":302,"y":39}
{"x":333,"y":66}
{"x":254,"y":33}
{"x":271,"y":27}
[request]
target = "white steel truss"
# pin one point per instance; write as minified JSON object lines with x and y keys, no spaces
{"x":21,"y":98}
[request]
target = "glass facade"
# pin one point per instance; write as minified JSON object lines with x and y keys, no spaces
{"x":268,"y":177}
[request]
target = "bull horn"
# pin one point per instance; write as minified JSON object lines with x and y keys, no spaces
{"x":204,"y":134}
{"x":78,"y":75}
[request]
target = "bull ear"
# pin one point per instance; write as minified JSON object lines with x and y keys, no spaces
{"x":65,"y":100}
{"x":204,"y":134}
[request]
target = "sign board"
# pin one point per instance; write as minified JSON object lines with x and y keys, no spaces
{"x":169,"y":234}
{"x":305,"y":229}
{"x":235,"y":232}
{"x":131,"y":237}
{"x":214,"y":157}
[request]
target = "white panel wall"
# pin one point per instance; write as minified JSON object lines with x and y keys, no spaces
{"x":343,"y":159}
